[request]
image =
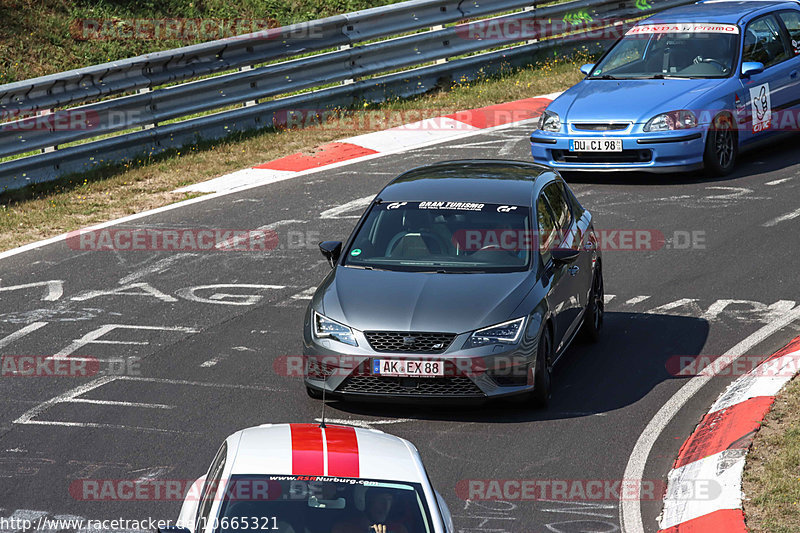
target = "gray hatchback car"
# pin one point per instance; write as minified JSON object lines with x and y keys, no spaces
{"x":463,"y":280}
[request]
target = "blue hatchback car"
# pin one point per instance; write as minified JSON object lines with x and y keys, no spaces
{"x":685,"y":89}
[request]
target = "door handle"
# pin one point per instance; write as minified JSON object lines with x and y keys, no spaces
{"x":573,"y":270}
{"x":793,"y":74}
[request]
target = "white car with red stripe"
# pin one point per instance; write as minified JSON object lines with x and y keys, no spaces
{"x":306,"y":478}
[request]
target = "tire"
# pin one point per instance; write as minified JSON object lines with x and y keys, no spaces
{"x":542,"y":379}
{"x":722,"y":147}
{"x":595,"y":310}
{"x":313,"y":393}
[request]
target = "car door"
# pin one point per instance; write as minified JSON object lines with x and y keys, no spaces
{"x":768,"y":92}
{"x":581,"y":222}
{"x":562,"y":286}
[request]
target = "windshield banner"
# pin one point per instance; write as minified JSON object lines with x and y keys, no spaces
{"x":730,"y":29}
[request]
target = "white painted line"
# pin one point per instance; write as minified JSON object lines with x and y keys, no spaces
{"x":608,"y":297}
{"x":365,"y":423}
{"x":339,"y":210}
{"x":197,"y":383}
{"x":121,"y":404}
{"x":233,"y":241}
{"x":55,"y":288}
{"x":239,"y":179}
{"x":28,"y":416}
{"x":156,"y":268}
{"x":783,"y":218}
{"x":305,"y":295}
{"x":631,"y":508}
{"x":105,"y":426}
{"x":778,"y":182}
{"x":93,"y":337}
{"x":704,"y":486}
{"x":8,"y":339}
{"x":636,"y":299}
{"x":212,"y":362}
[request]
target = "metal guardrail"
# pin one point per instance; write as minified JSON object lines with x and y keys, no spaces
{"x":242,"y":71}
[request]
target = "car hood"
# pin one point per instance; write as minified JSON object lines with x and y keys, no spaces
{"x":416,"y":301}
{"x":628,"y":100}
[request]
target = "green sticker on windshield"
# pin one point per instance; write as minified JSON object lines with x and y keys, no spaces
{"x":355,"y":252}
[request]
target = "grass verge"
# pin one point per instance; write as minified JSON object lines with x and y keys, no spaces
{"x":771,"y":482}
{"x":48,"y":209}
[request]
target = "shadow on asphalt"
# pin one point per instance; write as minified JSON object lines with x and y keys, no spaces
{"x":630,"y":360}
{"x":772,"y":157}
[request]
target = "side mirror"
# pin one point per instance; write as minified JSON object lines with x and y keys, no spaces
{"x":563,"y":256}
{"x":331,"y":250}
{"x":751,"y":68}
{"x":587,"y":69}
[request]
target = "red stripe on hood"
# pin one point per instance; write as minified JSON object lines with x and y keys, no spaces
{"x":307,"y":459}
{"x":342,"y":451}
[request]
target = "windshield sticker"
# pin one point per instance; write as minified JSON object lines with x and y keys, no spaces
{"x":730,"y":29}
{"x":762,"y":107}
{"x":461,"y":206}
{"x":355,"y":252}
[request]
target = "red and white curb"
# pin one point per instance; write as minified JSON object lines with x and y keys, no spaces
{"x":704,"y":487}
{"x":399,"y":139}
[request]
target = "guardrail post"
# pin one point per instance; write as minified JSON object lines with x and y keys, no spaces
{"x":248,"y":103}
{"x":444,"y":59}
{"x":44,"y":113}
{"x":348,"y":81}
{"x":146,"y":90}
{"x":531,"y":9}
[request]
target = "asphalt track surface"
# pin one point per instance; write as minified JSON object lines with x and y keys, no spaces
{"x":207,"y":365}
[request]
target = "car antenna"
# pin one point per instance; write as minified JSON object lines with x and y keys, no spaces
{"x":322,"y":420}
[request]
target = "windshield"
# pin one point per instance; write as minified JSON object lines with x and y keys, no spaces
{"x":447,"y":237}
{"x":672,"y":50}
{"x":312,"y":504}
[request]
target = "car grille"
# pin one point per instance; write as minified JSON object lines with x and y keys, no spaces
{"x":625,"y":156}
{"x":401,"y":342}
{"x":455,"y":386}
{"x":601,"y":126}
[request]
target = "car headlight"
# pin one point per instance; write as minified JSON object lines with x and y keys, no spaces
{"x":674,"y":120}
{"x":505,"y":333}
{"x":325,"y":328}
{"x":549,"y":121}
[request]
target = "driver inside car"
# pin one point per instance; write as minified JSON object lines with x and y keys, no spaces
{"x":375,"y":519}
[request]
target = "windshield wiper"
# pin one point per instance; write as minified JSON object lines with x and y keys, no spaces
{"x":604,"y":77}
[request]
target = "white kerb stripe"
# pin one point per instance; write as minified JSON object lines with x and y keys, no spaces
{"x":704,"y":486}
{"x":766,"y":380}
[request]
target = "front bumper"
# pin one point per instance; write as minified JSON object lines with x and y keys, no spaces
{"x":675,"y":151}
{"x":472,"y":375}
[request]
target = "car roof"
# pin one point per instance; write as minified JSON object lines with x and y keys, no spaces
{"x":474,"y":180}
{"x":723,"y":12}
{"x":307,"y":449}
